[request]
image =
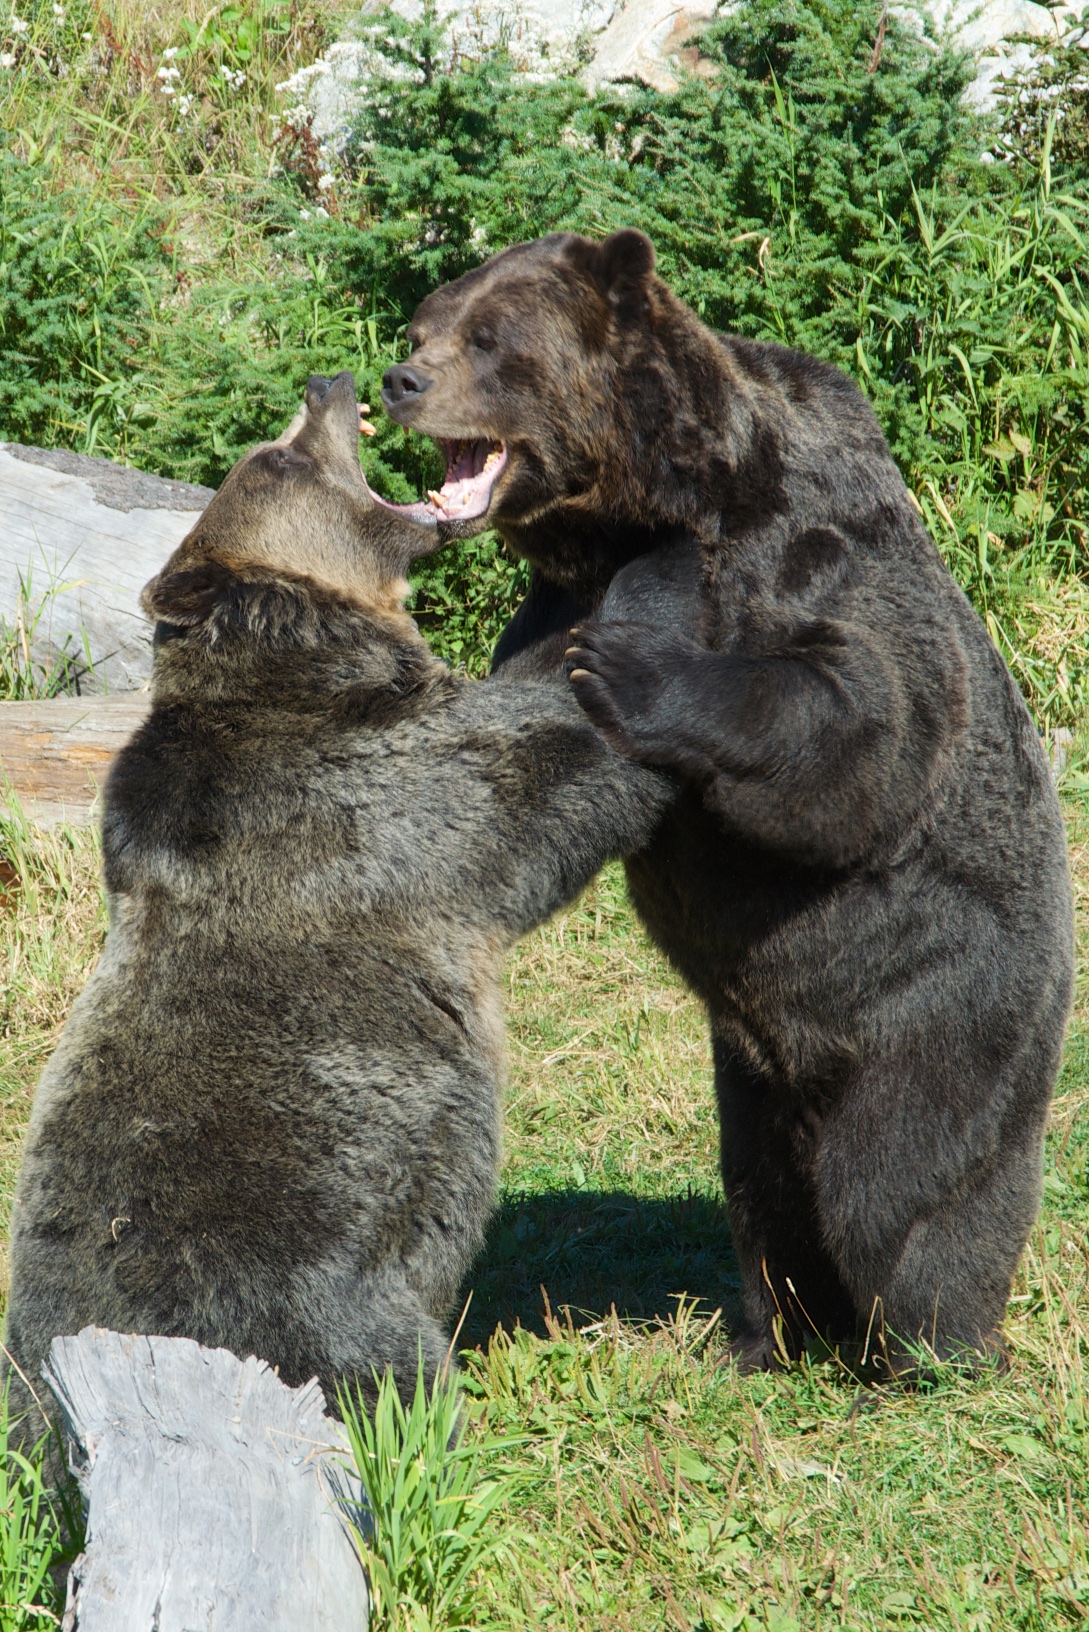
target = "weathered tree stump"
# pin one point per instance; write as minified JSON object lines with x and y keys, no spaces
{"x":216,"y":1496}
{"x":93,"y":533}
{"x":55,"y":754}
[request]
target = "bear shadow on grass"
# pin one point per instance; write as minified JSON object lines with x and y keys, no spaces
{"x":591,"y":1250}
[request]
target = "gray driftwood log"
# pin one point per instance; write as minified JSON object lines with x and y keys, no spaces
{"x":94,"y":533}
{"x":55,"y":754}
{"x":216,"y":1495}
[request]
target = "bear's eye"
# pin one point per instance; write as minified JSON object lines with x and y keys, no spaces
{"x":484,"y":340}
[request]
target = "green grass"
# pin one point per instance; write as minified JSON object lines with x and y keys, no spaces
{"x":41,"y":1530}
{"x":431,"y":1505}
{"x":645,"y":1485}
{"x":27,"y":674}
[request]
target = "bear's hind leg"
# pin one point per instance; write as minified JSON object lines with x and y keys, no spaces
{"x":379,"y":1326}
{"x":931,"y":1272}
{"x":948,"y":1292}
{"x":792,"y":1291}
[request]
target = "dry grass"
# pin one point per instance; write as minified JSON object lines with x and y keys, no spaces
{"x":53,"y":921}
{"x":109,"y":123}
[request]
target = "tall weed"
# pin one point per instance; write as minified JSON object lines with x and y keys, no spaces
{"x":34,"y":1521}
{"x":430,"y":1506}
{"x":23,"y":675}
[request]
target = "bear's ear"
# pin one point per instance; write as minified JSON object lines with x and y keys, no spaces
{"x":284,"y":459}
{"x":627,"y":265}
{"x":187,"y":596}
{"x":627,"y":257}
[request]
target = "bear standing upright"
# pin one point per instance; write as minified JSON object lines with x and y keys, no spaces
{"x":272,"y":1120}
{"x":865,"y":878}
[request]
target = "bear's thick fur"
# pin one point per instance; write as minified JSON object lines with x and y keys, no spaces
{"x":272,"y":1120}
{"x":865,"y":878}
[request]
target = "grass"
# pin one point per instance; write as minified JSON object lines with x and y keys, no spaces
{"x":429,"y":1503}
{"x":54,"y":668}
{"x":33,"y":1521}
{"x":645,"y":1486}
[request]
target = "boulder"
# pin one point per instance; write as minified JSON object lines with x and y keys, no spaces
{"x":79,"y":538}
{"x":609,"y":41}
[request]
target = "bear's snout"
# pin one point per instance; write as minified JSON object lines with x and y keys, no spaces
{"x":402,"y":384}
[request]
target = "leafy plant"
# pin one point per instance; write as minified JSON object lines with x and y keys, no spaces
{"x":236,"y":34}
{"x":464,"y":595}
{"x":79,"y":283}
{"x":32,"y":1521}
{"x":981,"y":325}
{"x":430,"y":1505}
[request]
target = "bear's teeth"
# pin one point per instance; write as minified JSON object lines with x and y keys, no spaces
{"x":436,"y":498}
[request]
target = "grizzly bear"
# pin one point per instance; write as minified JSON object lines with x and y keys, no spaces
{"x":272,"y":1120}
{"x":864,"y":878}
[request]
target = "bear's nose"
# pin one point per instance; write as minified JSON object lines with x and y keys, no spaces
{"x":403,"y":381}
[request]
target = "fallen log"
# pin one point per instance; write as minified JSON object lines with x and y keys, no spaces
{"x":216,"y":1496}
{"x":79,"y":538}
{"x":54,"y":755}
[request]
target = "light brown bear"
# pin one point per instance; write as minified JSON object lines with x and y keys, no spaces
{"x":272,"y":1120}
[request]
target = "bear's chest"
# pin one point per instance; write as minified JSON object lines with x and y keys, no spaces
{"x":719,"y":907}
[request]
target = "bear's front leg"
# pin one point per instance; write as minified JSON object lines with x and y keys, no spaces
{"x":814,"y":748}
{"x":637,"y":684}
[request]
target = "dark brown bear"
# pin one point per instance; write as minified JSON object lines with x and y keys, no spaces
{"x":865,"y":879}
{"x":272,"y":1121}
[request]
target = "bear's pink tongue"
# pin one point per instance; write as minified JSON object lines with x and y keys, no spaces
{"x":472,"y":469}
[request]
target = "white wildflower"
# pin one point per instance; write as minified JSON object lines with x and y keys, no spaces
{"x":299,"y":81}
{"x":170,"y":53}
{"x":18,"y":25}
{"x":7,"y":59}
{"x":169,"y":74}
{"x":304,"y":215}
{"x":87,"y":36}
{"x":234,"y":78}
{"x":186,"y":102}
{"x":58,"y":12}
{"x":325,"y":182}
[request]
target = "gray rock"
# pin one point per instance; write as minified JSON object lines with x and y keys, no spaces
{"x":608,"y":41}
{"x":79,"y":538}
{"x":649,"y":40}
{"x":988,"y":29}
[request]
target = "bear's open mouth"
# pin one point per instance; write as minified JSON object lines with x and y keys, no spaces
{"x":472,"y":469}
